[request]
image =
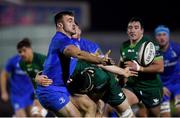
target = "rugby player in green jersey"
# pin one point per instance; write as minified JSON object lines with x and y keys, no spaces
{"x":146,"y":87}
{"x":32,"y":63}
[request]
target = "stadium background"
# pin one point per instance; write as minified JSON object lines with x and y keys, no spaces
{"x":101,"y":21}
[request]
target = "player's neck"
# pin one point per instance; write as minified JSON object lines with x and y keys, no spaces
{"x":164,"y":48}
{"x":62,"y":31}
{"x":30,"y":58}
{"x":134,"y":42}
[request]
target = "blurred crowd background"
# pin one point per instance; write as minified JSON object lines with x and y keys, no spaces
{"x":102,"y":21}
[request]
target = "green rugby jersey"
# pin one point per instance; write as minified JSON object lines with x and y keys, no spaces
{"x":34,"y":67}
{"x":129,"y":52}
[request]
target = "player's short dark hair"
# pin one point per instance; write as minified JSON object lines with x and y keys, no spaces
{"x":24,"y":43}
{"x":58,"y":17}
{"x":137,"y":19}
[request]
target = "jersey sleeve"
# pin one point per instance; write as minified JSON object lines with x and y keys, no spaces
{"x":9,"y":65}
{"x":63,"y":43}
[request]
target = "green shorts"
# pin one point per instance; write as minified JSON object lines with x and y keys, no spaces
{"x":114,"y":95}
{"x":150,"y":97}
{"x":105,"y":83}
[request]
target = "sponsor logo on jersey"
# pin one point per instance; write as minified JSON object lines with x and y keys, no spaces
{"x":174,"y":54}
{"x":155,"y":101}
{"x":121,"y":95}
{"x":61,"y":100}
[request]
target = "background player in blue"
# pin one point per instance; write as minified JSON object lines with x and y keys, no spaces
{"x":21,"y":88}
{"x":171,"y":75}
{"x":59,"y":64}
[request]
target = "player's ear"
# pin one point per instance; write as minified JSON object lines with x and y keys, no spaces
{"x":142,"y":30}
{"x":60,"y":25}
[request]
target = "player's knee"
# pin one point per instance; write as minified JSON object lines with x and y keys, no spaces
{"x":165,"y":107}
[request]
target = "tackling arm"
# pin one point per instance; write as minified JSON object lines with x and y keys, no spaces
{"x":119,"y":71}
{"x":73,"y":51}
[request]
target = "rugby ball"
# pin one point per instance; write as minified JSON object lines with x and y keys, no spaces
{"x":146,"y":53}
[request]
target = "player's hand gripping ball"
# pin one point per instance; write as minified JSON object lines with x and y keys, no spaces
{"x":146,"y":53}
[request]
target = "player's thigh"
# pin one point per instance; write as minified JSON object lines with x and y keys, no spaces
{"x":152,"y":98}
{"x":114,"y":94}
{"x":117,"y":99}
{"x":85,"y":104}
{"x":154,"y":112}
{"x":69,"y":110}
{"x":131,"y":97}
{"x":58,"y":102}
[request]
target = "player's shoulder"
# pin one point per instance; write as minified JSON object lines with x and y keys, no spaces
{"x":147,"y":38}
{"x":59,"y":36}
{"x":150,"y":39}
{"x":90,"y":42}
{"x":174,"y":44}
{"x":87,"y":40}
{"x":39,"y":55}
{"x":125,"y":44}
{"x":14,"y":58}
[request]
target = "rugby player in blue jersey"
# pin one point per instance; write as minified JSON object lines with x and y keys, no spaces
{"x":60,"y":64}
{"x":21,"y":88}
{"x":171,"y":75}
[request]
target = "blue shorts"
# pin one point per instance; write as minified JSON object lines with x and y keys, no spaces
{"x":22,"y":101}
{"x":53,"y":97}
{"x":174,"y":89}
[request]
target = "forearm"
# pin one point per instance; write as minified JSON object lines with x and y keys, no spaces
{"x":113,"y":69}
{"x":4,"y":77}
{"x":72,"y":51}
{"x":156,"y":67}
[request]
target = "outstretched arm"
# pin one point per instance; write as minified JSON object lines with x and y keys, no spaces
{"x":119,"y":71}
{"x":73,"y":51}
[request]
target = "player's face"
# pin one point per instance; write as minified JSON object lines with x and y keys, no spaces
{"x":25,"y":53}
{"x":134,"y":31}
{"x":69,"y":24}
{"x":78,"y":33}
{"x":162,"y":38}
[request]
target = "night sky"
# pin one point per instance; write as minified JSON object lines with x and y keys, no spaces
{"x":114,"y":15}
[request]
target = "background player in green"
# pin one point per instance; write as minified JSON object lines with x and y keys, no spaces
{"x":31,"y":63}
{"x":147,"y":86}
